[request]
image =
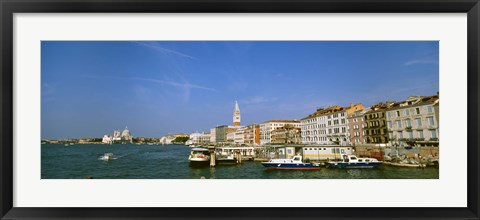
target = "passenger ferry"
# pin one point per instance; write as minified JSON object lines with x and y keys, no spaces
{"x":294,"y":163}
{"x":352,"y":161}
{"x":199,"y":157}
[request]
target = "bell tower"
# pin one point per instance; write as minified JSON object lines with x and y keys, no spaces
{"x":236,"y":115}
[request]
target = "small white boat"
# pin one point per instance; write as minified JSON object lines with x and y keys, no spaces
{"x":402,"y":164}
{"x":107,"y":157}
{"x":221,"y":159}
{"x":352,"y":161}
{"x":199,"y":157}
{"x":294,"y":163}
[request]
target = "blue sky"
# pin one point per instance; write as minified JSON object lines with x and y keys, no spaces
{"x":92,"y":88}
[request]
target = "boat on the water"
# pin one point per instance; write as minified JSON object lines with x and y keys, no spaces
{"x":107,"y":157}
{"x":402,"y":164}
{"x":352,"y":161}
{"x":199,"y":157}
{"x":294,"y":163}
{"x":225,"y":159}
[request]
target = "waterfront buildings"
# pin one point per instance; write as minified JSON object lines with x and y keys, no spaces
{"x":225,"y":133}
{"x":337,"y":132}
{"x":314,"y":128}
{"x":221,"y":133}
{"x":168,"y":139}
{"x":267,"y":127}
{"x":375,"y":123}
{"x":355,"y":127}
{"x":205,"y":138}
{"x":414,"y":122}
{"x":287,"y":134}
{"x":124,"y":137}
{"x":239,"y":135}
{"x":194,"y":138}
{"x":328,"y":125}
{"x":252,"y":134}
{"x":213,"y":136}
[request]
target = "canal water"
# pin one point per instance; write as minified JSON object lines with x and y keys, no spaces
{"x":171,"y":162}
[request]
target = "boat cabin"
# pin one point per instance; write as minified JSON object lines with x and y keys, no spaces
{"x":297,"y":159}
{"x":354,"y":159}
{"x":294,"y":159}
{"x":199,"y":151}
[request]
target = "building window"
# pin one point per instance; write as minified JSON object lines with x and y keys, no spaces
{"x":419,"y":122}
{"x":408,"y":123}
{"x":399,"y":124}
{"x":433,"y":134}
{"x":390,"y":135}
{"x":417,"y":110}
{"x":398,"y":113}
{"x":407,"y":113}
{"x":400,"y":134}
{"x":420,"y":134}
{"x":430,"y":121}
{"x":430,"y":109}
{"x":410,"y":134}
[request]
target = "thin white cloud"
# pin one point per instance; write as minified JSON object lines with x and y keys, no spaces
{"x":165,"y":50}
{"x":164,"y":82}
{"x":172,"y":83}
{"x":420,"y":61}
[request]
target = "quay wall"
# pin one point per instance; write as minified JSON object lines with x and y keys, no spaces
{"x":380,"y":152}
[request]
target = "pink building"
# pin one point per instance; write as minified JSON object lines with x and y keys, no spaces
{"x":355,"y":128}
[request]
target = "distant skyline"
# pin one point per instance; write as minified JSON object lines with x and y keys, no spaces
{"x":91,"y":88}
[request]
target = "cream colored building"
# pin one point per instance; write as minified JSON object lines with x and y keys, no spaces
{"x":267,"y":127}
{"x":329,"y":125}
{"x":414,"y":122}
{"x":212,"y":136}
{"x":239,"y":135}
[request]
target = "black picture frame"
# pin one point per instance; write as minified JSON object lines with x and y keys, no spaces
{"x":9,"y":7}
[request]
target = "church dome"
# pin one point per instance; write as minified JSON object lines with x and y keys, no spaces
{"x":126,"y":133}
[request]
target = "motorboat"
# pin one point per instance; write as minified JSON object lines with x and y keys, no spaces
{"x":404,"y":164}
{"x":294,"y":163}
{"x":199,"y":157}
{"x":221,"y":159}
{"x":107,"y":157}
{"x":352,"y":161}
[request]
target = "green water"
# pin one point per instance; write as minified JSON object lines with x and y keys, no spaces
{"x":171,"y":162}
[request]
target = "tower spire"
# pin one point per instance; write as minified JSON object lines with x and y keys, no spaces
{"x":236,"y":115}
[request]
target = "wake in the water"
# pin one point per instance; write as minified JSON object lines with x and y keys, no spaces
{"x":109,"y":156}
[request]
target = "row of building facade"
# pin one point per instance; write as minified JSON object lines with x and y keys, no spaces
{"x":412,"y":122}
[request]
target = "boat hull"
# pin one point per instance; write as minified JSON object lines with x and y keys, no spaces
{"x":406,"y":165}
{"x":199,"y":163}
{"x":226,"y":162}
{"x":290,"y":166}
{"x":353,"y":165}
